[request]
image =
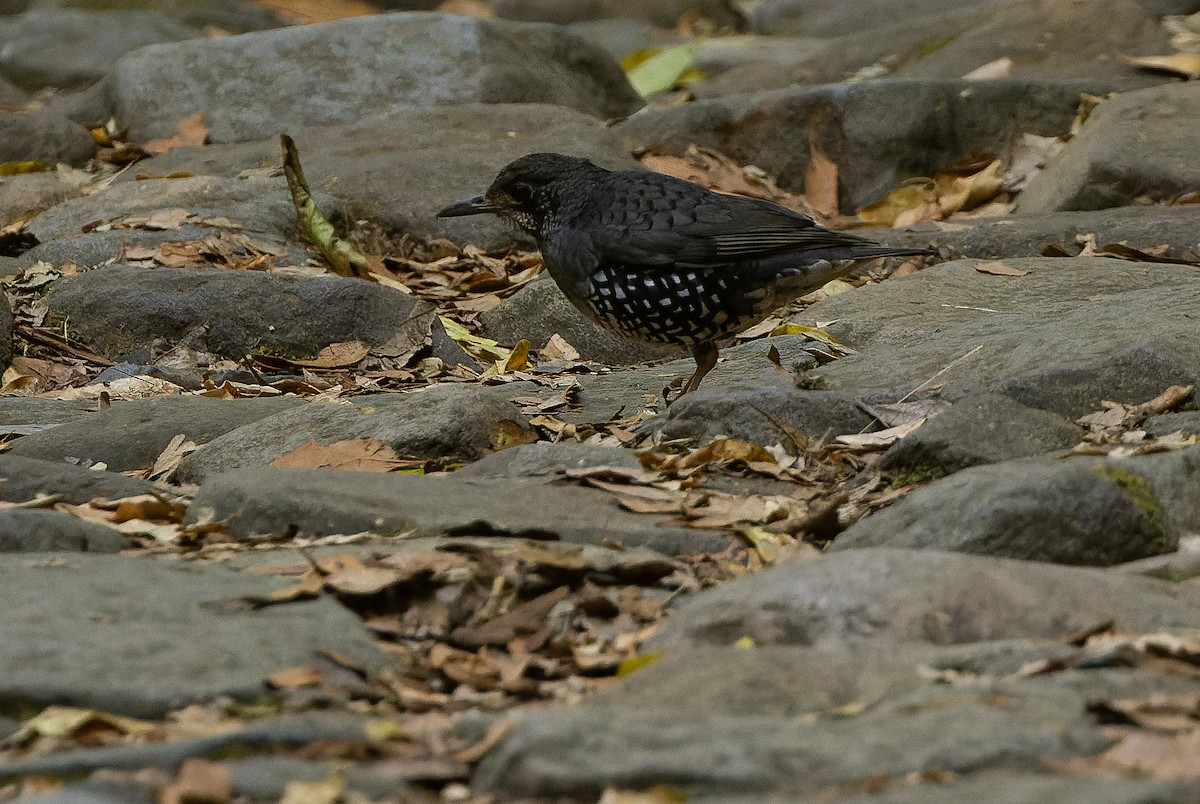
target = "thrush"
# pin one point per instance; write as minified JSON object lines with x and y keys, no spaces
{"x":665,"y":260}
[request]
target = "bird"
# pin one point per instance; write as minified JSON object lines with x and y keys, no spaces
{"x":662,"y":259}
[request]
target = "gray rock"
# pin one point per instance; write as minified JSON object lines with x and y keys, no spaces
{"x":119,"y":309}
{"x":442,"y":59}
{"x":540,"y":310}
{"x":43,"y":136}
{"x":130,"y":435}
{"x":617,"y":36}
{"x":450,"y":153}
{"x":1049,"y":41}
{"x":267,"y":734}
{"x":864,"y":712}
{"x":664,"y":14}
{"x":888,"y":595}
{"x":232,"y":16}
{"x":25,"y":478}
{"x":978,"y":429}
{"x":829,"y":18}
{"x":39,"y":531}
{"x":276,"y":503}
{"x":1187,"y":421}
{"x":1067,"y":335}
{"x":1080,"y":511}
{"x":878,"y":132}
{"x":1132,"y":146}
{"x":32,"y":410}
{"x":26,"y":194}
{"x":138,"y":637}
{"x":545,"y":459}
{"x":74,"y":47}
{"x":1146,"y":228}
{"x":452,"y":422}
{"x":763,"y":415}
{"x":258,"y":205}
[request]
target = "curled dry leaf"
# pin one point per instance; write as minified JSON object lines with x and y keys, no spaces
{"x":1185,"y":65}
{"x":1000,"y":269}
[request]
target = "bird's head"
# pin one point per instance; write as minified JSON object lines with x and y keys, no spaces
{"x":525,"y":191}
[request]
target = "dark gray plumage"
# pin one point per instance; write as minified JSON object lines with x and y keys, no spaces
{"x":662,"y":259}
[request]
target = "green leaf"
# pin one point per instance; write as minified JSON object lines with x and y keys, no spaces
{"x":651,"y":72}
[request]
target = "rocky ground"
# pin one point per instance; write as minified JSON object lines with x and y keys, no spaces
{"x":417,"y":531}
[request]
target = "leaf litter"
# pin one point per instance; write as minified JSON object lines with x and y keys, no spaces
{"x":488,"y":623}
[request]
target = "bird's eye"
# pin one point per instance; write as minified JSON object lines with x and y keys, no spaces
{"x":521,"y":191}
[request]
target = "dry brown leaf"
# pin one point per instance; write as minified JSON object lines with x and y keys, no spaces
{"x":1156,"y":756}
{"x":1166,"y":713}
{"x":557,"y":348}
{"x":965,"y":191}
{"x":522,"y":620}
{"x":915,"y":201}
{"x":882,"y":438}
{"x":199,"y":781}
{"x":192,"y":130}
{"x":336,"y":355}
{"x":1186,"y":65}
{"x":294,"y":677}
{"x":821,"y":178}
{"x":718,"y":172}
{"x":169,"y":459}
{"x":998,"y":268}
{"x":355,"y":454}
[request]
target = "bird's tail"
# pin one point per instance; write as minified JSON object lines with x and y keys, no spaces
{"x":870,"y":252}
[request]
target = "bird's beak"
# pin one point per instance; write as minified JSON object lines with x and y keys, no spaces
{"x":469,"y":206}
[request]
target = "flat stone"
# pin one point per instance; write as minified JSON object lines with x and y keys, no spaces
{"x":33,"y":410}
{"x":138,"y":637}
{"x":122,"y":309}
{"x":864,"y":712}
{"x":889,"y":595}
{"x":1147,"y":228}
{"x":257,"y":84}
{"x":43,"y":136}
{"x":275,"y":503}
{"x":978,"y":429}
{"x":450,"y":153}
{"x":543,"y":459}
{"x":25,"y":478}
{"x":129,"y":435}
{"x":446,"y":422}
{"x":71,"y":47}
{"x":1132,"y":146}
{"x":24,"y":195}
{"x":38,"y":531}
{"x":878,"y":132}
{"x":1078,"y":511}
{"x":1070,"y":333}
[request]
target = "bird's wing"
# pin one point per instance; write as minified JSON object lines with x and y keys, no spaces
{"x":676,"y":222}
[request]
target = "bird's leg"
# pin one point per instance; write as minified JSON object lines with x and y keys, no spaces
{"x":706,"y":357}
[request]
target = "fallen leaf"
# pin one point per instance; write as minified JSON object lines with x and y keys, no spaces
{"x":344,"y":258}
{"x":1186,"y":65}
{"x":326,"y":791}
{"x":294,"y":677}
{"x":558,"y":349}
{"x":653,"y":71}
{"x":355,"y":454}
{"x":883,"y":438}
{"x":821,"y":177}
{"x":336,"y":355}
{"x":999,"y":68}
{"x":999,"y":269}
{"x":192,"y":130}
{"x":199,"y":781}
{"x":169,"y":459}
{"x":718,"y":172}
